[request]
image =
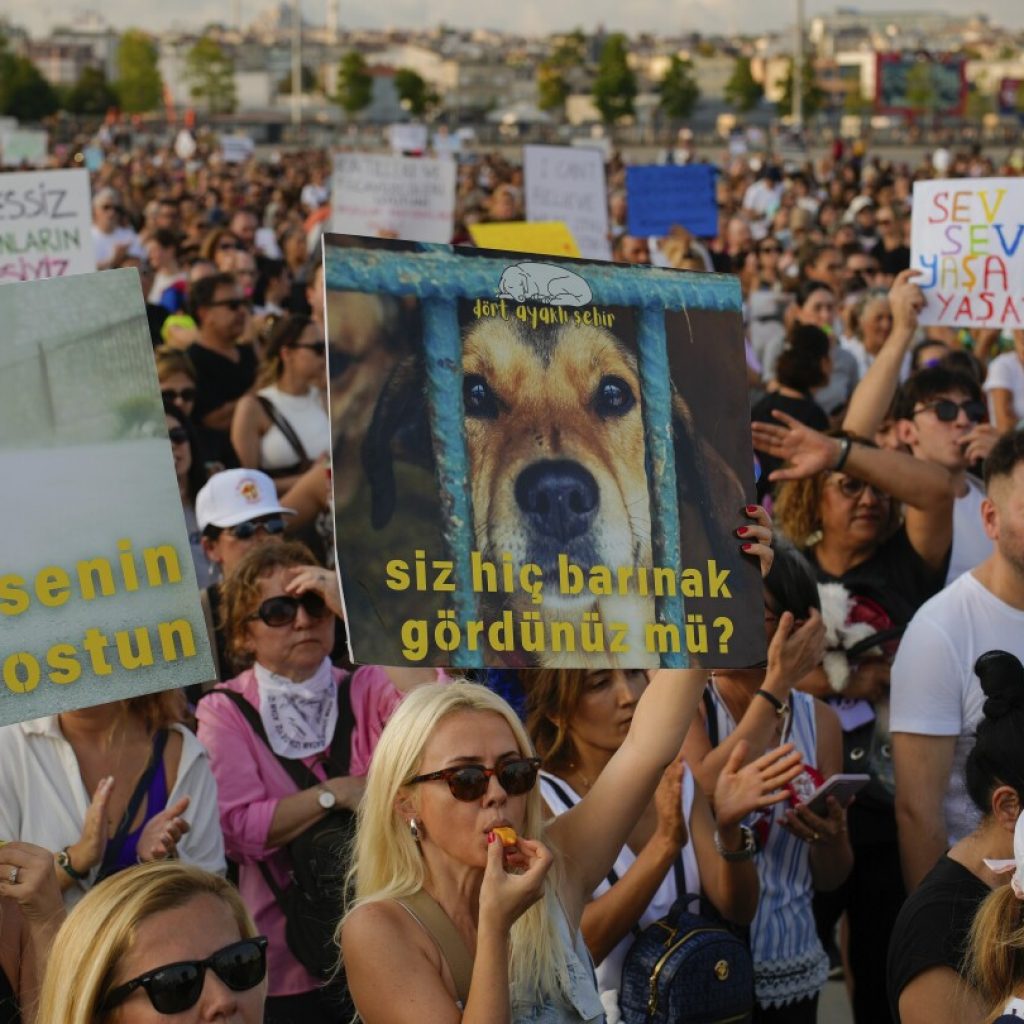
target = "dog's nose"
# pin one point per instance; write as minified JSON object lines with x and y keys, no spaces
{"x":558,"y":497}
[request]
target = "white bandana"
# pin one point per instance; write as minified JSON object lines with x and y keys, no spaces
{"x":1004,"y":867}
{"x":299,"y":717}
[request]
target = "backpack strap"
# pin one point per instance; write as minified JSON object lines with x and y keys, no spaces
{"x":438,"y":925}
{"x":277,"y":418}
{"x":711,"y":716}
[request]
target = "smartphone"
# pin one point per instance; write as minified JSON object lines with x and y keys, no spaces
{"x":842,"y":787}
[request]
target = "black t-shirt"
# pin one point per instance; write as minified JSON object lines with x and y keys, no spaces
{"x":219,"y":379}
{"x":933,"y":925}
{"x":891,"y":261}
{"x":804,"y":409}
{"x":9,"y":1012}
{"x":895,"y":576}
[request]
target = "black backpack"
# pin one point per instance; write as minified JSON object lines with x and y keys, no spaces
{"x":319,"y":856}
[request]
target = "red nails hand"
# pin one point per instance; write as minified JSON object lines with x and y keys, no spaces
{"x":742,"y":531}
{"x":746,"y":547}
{"x":491,"y":837}
{"x":751,"y":510}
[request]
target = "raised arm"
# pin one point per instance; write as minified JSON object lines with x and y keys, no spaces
{"x":873,"y":396}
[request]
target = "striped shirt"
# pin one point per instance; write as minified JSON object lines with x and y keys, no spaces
{"x":789,"y":961}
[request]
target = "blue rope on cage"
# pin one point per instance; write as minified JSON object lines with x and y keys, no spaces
{"x":439,"y":277}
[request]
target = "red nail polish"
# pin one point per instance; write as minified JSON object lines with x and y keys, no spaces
{"x":742,"y":531}
{"x":490,"y":837}
{"x":751,"y":510}
{"x":746,"y":547}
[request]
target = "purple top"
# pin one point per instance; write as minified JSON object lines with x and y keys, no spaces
{"x":156,"y":801}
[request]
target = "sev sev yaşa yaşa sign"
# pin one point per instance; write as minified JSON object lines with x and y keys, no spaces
{"x":98,"y":596}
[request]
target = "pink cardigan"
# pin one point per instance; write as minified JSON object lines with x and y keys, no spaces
{"x":250,"y":781}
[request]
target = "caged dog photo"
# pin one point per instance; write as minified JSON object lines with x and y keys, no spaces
{"x":558,"y":470}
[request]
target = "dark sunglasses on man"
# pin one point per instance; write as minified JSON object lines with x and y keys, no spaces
{"x":272,"y":525}
{"x":283,"y":609}
{"x":233,"y":304}
{"x":177,"y":987}
{"x":946,"y":410}
{"x":184,"y":395}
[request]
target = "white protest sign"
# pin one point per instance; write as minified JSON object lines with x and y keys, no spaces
{"x":393,"y":196}
{"x":568,"y":184}
{"x":184,"y":145}
{"x":23,"y":146}
{"x":966,"y":239}
{"x":235,"y":149}
{"x":408,"y":138}
{"x":45,"y":225}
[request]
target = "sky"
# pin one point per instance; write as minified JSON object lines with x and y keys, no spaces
{"x":527,"y":16}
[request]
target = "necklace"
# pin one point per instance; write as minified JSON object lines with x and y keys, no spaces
{"x":582,"y":777}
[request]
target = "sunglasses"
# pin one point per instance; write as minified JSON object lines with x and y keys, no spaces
{"x":248,"y":530}
{"x":769,"y":248}
{"x":469,"y":782}
{"x":851,"y":488}
{"x":178,"y":435}
{"x":283,"y":609}
{"x":177,"y":987}
{"x":227,"y":246}
{"x":184,"y":395}
{"x":233,"y":304}
{"x":946,"y":410}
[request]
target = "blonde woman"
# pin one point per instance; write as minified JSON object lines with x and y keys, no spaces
{"x":161,"y":941}
{"x":458,"y":879}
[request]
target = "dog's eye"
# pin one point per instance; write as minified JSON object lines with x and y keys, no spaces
{"x":614,"y":397}
{"x":478,"y":398}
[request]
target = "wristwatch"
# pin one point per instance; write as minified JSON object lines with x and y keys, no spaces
{"x":64,"y":860}
{"x":326,"y":799}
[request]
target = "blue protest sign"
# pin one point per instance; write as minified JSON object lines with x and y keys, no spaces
{"x":661,"y":197}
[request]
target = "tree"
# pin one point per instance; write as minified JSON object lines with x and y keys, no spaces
{"x":553,"y":72}
{"x":814,"y":95}
{"x":615,"y":84}
{"x":355,"y":83}
{"x":139,"y":85}
{"x":211,"y":74}
{"x":921,"y":95}
{"x":678,"y":90}
{"x":414,"y":93}
{"x":742,"y":90}
{"x":92,"y":94}
{"x":24,"y":92}
{"x":308,"y":82}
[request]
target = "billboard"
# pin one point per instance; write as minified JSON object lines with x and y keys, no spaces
{"x":921,"y":83}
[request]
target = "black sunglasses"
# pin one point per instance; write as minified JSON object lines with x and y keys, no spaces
{"x":246,"y":531}
{"x":469,"y":781}
{"x":233,"y":304}
{"x":946,"y":410}
{"x":283,"y":609}
{"x":178,"y":435}
{"x":184,"y":395}
{"x":177,"y":987}
{"x":317,"y":347}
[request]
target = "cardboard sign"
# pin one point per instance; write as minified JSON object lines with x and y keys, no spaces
{"x":538,"y":462}
{"x":45,"y":225}
{"x":660,"y":198}
{"x":408,"y":138}
{"x":545,"y":238}
{"x":568,"y":184}
{"x":394,"y":196}
{"x":98,"y":590}
{"x":235,"y":149}
{"x":23,"y":146}
{"x":966,"y":239}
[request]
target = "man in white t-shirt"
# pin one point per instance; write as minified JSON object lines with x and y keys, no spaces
{"x":936,"y":697}
{"x":114,"y":243}
{"x":1005,"y":385}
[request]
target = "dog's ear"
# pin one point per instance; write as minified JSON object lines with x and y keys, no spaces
{"x":400,"y":420}
{"x":710,"y":494}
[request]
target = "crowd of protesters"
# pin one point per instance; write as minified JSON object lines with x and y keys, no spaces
{"x":888,"y":456}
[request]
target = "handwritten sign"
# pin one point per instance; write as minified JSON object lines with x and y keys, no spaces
{"x":408,"y":138}
{"x":98,"y":589}
{"x":545,"y":238}
{"x":236,"y":149}
{"x":23,"y":146}
{"x":393,"y":196}
{"x":568,"y":184}
{"x":966,"y":239}
{"x":660,"y":198}
{"x":45,"y":225}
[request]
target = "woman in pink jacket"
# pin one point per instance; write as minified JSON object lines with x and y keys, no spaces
{"x":291,"y":716}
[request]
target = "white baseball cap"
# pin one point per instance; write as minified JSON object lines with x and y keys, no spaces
{"x":236,"y":496}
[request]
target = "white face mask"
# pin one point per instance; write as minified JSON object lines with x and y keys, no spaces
{"x":299,"y":717}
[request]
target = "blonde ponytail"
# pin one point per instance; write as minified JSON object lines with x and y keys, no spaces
{"x":995,"y":956}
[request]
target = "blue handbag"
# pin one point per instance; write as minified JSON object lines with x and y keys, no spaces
{"x":687,"y":968}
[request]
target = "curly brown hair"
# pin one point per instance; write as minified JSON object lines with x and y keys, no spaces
{"x":240,"y":591}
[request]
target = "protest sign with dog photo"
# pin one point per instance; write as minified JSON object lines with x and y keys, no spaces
{"x":98,"y":597}
{"x":538,"y":461}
